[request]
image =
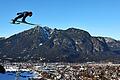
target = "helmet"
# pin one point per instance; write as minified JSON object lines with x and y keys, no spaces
{"x":30,"y":14}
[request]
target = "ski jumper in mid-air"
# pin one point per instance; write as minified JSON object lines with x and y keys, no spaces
{"x":22,"y":15}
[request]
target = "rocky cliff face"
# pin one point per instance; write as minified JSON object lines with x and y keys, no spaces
{"x":53,"y":45}
{"x":114,"y":45}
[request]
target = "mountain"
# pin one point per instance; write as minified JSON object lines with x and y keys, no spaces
{"x":44,"y":44}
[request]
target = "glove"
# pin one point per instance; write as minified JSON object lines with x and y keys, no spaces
{"x":19,"y":13}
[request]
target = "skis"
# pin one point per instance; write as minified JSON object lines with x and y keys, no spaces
{"x":19,"y":22}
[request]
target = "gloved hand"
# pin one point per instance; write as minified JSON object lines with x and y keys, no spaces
{"x":19,"y":13}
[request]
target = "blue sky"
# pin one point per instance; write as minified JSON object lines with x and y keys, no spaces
{"x":98,"y":17}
